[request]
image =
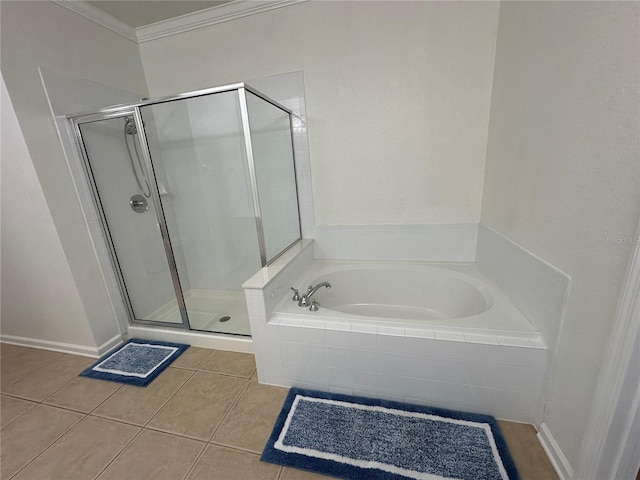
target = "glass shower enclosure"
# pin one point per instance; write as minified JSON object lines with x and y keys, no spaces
{"x":196,"y":193}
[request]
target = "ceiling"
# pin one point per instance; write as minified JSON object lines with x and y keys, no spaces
{"x":143,"y":12}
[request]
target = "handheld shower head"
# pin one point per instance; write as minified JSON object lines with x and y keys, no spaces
{"x":130,"y":126}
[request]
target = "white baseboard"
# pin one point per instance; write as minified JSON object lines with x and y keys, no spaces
{"x":557,"y":458}
{"x":204,"y":340}
{"x":93,"y":352}
{"x":109,"y":344}
{"x":219,"y":342}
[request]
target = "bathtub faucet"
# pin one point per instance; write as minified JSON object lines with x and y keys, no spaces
{"x":305,"y":300}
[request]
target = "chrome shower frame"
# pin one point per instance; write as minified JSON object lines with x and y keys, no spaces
{"x":133,"y":110}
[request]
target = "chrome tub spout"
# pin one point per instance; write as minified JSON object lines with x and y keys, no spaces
{"x":305,"y":300}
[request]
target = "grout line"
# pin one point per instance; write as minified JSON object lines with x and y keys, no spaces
{"x":193,"y":372}
{"x":140,"y":425}
{"x":50,"y":445}
{"x":234,"y":447}
{"x":233,"y":403}
{"x":79,"y":411}
{"x":198,"y":366}
{"x":23,"y":413}
{"x":177,"y":434}
{"x":108,"y":397}
{"x":217,"y":373}
{"x":67,"y":383}
{"x":118,"y":453}
{"x":117,"y":420}
{"x":195,"y":461}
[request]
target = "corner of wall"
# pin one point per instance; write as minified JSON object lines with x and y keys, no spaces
{"x":554,"y":452}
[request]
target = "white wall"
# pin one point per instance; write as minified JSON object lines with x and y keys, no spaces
{"x":397,"y":98}
{"x":43,"y":34}
{"x":36,"y":279}
{"x":562,"y":172}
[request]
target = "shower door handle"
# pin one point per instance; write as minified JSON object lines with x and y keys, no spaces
{"x":138,"y":203}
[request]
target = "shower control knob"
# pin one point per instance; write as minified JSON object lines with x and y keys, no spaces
{"x":138,"y":204}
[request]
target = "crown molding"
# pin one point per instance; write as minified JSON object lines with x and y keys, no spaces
{"x":210,"y":16}
{"x":184,"y":23}
{"x":100,"y":17}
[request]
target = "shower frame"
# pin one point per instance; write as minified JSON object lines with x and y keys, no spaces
{"x":133,"y":110}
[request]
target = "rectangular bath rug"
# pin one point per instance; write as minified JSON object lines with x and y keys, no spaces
{"x":136,"y":362}
{"x":363,"y":438}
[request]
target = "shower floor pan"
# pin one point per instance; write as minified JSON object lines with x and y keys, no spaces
{"x":210,"y":311}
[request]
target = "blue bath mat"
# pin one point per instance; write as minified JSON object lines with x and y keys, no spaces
{"x":136,"y":362}
{"x":362,"y":438}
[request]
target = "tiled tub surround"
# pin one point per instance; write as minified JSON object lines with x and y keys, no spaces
{"x":500,"y":373}
{"x":535,"y":287}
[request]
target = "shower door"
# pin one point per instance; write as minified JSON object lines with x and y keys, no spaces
{"x":124,"y":190}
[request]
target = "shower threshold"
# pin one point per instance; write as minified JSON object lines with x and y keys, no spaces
{"x":219,"y":311}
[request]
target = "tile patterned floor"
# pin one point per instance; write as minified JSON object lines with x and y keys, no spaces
{"x":205,"y":417}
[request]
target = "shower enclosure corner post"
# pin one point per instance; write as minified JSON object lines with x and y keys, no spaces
{"x":244,"y":111}
{"x":164,"y":231}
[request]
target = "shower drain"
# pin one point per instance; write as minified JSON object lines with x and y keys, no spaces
{"x":226,"y":318}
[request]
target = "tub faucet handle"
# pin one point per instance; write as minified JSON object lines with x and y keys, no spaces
{"x":314,"y":305}
{"x":296,"y":296}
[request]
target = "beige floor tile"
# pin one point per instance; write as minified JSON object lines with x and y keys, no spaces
{"x":138,"y":405}
{"x":90,"y":444}
{"x":220,"y":463}
{"x":295,"y":474}
{"x":250,"y":422}
{"x":192,"y":358}
{"x":527,"y":453}
{"x":197,"y":409}
{"x":155,"y":456}
{"x":230,"y":363}
{"x":18,"y":362}
{"x":49,"y":377}
{"x":30,"y":434}
{"x":83,"y":394}
{"x":82,"y":452}
{"x":11,"y":408}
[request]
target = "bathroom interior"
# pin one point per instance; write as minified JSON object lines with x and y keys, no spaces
{"x":175,"y":180}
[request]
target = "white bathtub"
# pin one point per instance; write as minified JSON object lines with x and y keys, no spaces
{"x":443,"y":297}
{"x":434,"y":334}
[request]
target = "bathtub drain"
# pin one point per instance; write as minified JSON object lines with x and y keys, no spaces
{"x":226,"y":318}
